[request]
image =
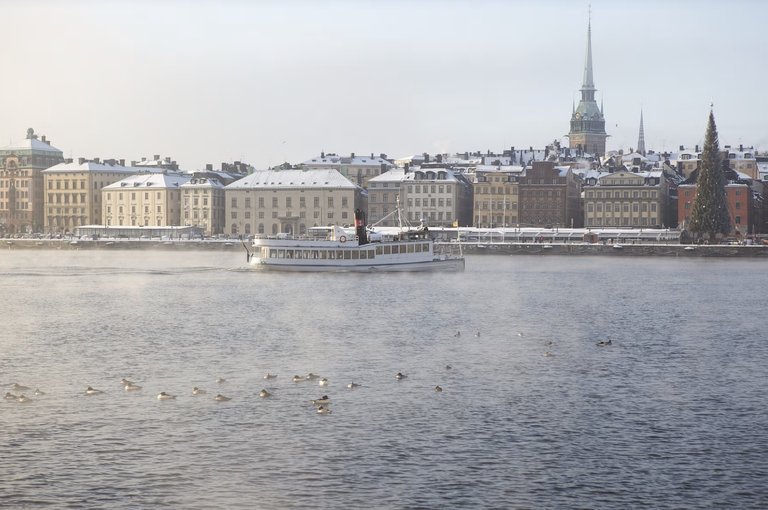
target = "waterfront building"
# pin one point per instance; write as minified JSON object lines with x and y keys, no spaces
{"x":357,"y":169}
{"x":740,"y":204}
{"x":73,"y":192}
{"x":743,"y":160}
{"x":627,"y":199}
{"x":22,"y":198}
{"x":549,"y":195}
{"x":383,"y":197}
{"x":290,"y":201}
{"x":587,"y":133}
{"x":495,"y":198}
{"x":203,"y":203}
{"x":437,"y":196}
{"x":156,"y":164}
{"x":144,"y":200}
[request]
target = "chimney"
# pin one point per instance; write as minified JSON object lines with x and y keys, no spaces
{"x":122,"y":162}
{"x":157,"y":157}
{"x":741,"y":146}
{"x":143,"y":160}
{"x":68,"y":160}
{"x":697,"y":148}
{"x":96,"y":160}
{"x":353,"y":155}
{"x":407,"y":167}
{"x":80,"y":161}
{"x":42,"y":139}
{"x":167,"y":159}
{"x":209,"y":167}
{"x":133,"y":163}
{"x":322,"y":154}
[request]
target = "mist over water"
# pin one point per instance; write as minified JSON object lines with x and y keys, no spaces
{"x":672,"y":414}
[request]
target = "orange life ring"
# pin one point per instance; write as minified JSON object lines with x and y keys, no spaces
{"x":342,"y":239}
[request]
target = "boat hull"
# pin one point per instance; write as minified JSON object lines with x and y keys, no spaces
{"x":452,"y":264}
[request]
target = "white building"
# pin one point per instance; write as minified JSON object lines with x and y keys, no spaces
{"x":290,"y":201}
{"x":358,"y":169}
{"x":144,"y":200}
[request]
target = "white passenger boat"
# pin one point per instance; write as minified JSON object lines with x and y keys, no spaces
{"x":359,"y":249}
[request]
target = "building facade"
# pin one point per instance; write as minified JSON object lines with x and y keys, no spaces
{"x":290,"y":201}
{"x":627,"y":199}
{"x":22,"y":191}
{"x":357,"y":169}
{"x":203,"y":204}
{"x":740,"y":207}
{"x":495,"y":198}
{"x":144,"y":200}
{"x":384,"y":198}
{"x":436,"y":196}
{"x":549,"y":196}
{"x":73,"y":192}
{"x":587,"y":133}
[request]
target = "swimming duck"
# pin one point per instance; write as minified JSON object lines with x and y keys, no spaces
{"x":312,"y":377}
{"x":353,"y":385}
{"x":269,"y":376}
{"x":400,"y":376}
{"x":519,"y":333}
{"x":221,"y":380}
{"x":323,"y":410}
{"x":165,"y":396}
{"x":23,"y":399}
{"x":477,"y":334}
{"x":448,"y":367}
{"x":297,"y":378}
{"x":458,"y":334}
{"x":19,"y":387}
{"x":92,"y":391}
{"x":323,"y":382}
{"x":264,"y":394}
{"x":438,"y":388}
{"x":221,"y":398}
{"x":10,"y":396}
{"x":322,"y":400}
{"x":132,"y":387}
{"x":39,"y":392}
{"x":198,"y":391}
{"x":126,"y":382}
{"x":603,"y":343}
{"x":548,"y":354}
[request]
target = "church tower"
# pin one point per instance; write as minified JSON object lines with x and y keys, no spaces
{"x":587,"y":122}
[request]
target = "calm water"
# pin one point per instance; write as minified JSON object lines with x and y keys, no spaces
{"x":672,"y":415}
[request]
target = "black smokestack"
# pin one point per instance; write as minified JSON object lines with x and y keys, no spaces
{"x":362,"y":237}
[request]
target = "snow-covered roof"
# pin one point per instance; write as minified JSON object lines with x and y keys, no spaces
{"x":30,"y":144}
{"x":394,"y":175}
{"x":150,"y":180}
{"x":90,"y":166}
{"x":293,"y":179}
{"x":500,"y":168}
{"x":203,"y":182}
{"x":334,"y":160}
{"x":421,"y":174}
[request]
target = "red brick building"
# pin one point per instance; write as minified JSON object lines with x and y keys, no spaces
{"x":740,"y":207}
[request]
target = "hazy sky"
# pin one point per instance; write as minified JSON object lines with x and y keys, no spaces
{"x":264,"y":82}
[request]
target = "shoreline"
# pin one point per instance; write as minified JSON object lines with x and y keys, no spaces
{"x":541,"y":249}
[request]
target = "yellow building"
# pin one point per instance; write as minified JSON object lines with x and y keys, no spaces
{"x":496,"y":196}
{"x":144,"y":200}
{"x":203,"y":204}
{"x":627,"y":199}
{"x":73,"y":192}
{"x":21,"y":183}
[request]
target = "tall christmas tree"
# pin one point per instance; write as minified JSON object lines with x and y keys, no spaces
{"x":710,"y":209}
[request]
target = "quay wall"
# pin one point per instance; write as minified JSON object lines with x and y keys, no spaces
{"x":626,"y":250}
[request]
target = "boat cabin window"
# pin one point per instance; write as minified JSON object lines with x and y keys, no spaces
{"x":371,"y":254}
{"x":347,"y":255}
{"x":410,"y":248}
{"x":387,"y":250}
{"x":340,"y":254}
{"x":356,"y":255}
{"x":379,"y":250}
{"x":395,"y":249}
{"x":363,"y":254}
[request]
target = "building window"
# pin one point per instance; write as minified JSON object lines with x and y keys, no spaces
{"x":234,"y":202}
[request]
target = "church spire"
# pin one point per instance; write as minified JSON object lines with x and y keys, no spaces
{"x":641,"y":136}
{"x":588,"y":83}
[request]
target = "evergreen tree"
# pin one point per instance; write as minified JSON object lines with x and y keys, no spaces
{"x":710,"y":209}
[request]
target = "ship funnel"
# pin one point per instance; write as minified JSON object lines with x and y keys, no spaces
{"x":362,"y":237}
